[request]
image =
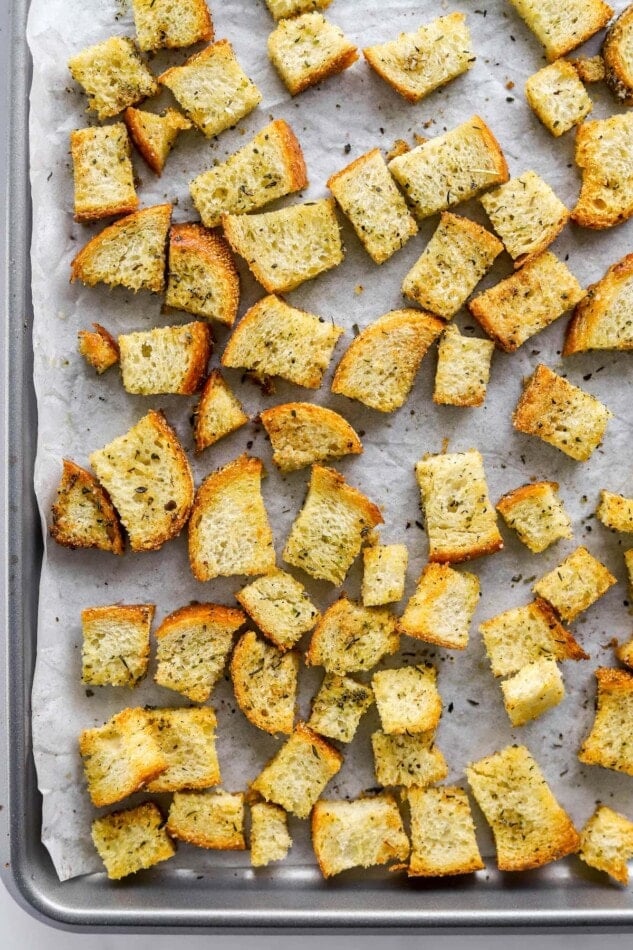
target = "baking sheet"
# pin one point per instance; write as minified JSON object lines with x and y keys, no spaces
{"x":79,"y":412}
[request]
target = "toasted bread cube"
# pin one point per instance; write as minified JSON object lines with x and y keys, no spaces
{"x":451,"y":265}
{"x":212,"y":88}
{"x":82,"y":514}
{"x":577,"y":583}
{"x":281,"y":9}
{"x":561,"y":414}
{"x":380,"y":364}
{"x":192,"y":646}
{"x":307,"y":49}
{"x":186,"y":738}
{"x":460,"y":521}
{"x":218,"y":413}
{"x":618,"y":62}
{"x":113,"y":76}
{"x":606,"y":843}
{"x":463,"y":369}
{"x":450,"y":168}
{"x":213,"y":820}
{"x":609,"y":741}
{"x":115,"y":648}
{"x":302,"y":433}
{"x":270,"y":839}
{"x":603,"y":147}
{"x":202,"y":277}
{"x":533,"y":690}
{"x":407,"y":760}
{"x":281,"y":608}
{"x":407,"y":699}
{"x":589,"y":68}
{"x":121,"y":756}
{"x":229,"y":532}
{"x":615,"y":511}
{"x":557,"y":97}
{"x":362,"y":833}
{"x":338,"y":707}
{"x":328,"y":533}
{"x":384,"y":570}
{"x":102,"y":172}
{"x":350,"y":637}
{"x":165,"y":359}
{"x":562,"y":26}
{"x":165,"y":24}
{"x":443,"y":838}
{"x":442,"y":607}
{"x":154,"y":135}
{"x":624,"y":653}
{"x":265,"y":683}
{"x":602,"y":320}
{"x":98,"y":347}
{"x":132,"y":840}
{"x":537,"y":514}
{"x":295,"y":777}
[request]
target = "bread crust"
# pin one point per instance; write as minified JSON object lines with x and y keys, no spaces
{"x":98,"y":347}
{"x":61,"y":532}
{"x":590,"y":310}
{"x":618,"y":73}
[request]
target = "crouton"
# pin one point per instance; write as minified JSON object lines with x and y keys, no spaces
{"x":407,"y":760}
{"x":212,"y":88}
{"x":407,"y":699}
{"x":265,"y":683}
{"x":561,"y":27}
{"x":460,"y":520}
{"x":165,"y":24}
{"x":535,"y":688}
{"x":443,"y":838}
{"x":281,"y":9}
{"x":287,"y":247}
{"x":115,"y":649}
{"x":603,"y":148}
{"x":82,"y":514}
{"x":557,"y":97}
{"x":328,"y":533}
{"x":615,"y":511}
{"x":362,"y":833}
{"x":307,"y":49}
{"x":275,"y":339}
{"x":618,"y":62}
{"x":450,"y":168}
{"x":147,"y":475}
{"x":295,"y":777}
{"x":268,"y":167}
{"x":577,"y":583}
{"x":442,"y":607}
{"x":202,"y":277}
{"x":368,"y":196}
{"x":186,"y":737}
{"x":113,"y":76}
{"x":537,"y":514}
{"x":132,"y":840}
{"x":270,"y":840}
{"x":602,"y":320}
{"x":350,"y":637}
{"x":218,"y":412}
{"x":102,"y":172}
{"x":609,"y":741}
{"x":384,"y":571}
{"x":561,"y":414}
{"x":339,"y":706}
{"x":606,"y":843}
{"x":589,"y":68}
{"x":121,"y":756}
{"x":192,"y":646}
{"x":165,"y":359}
{"x":451,"y":265}
{"x":281,"y":608}
{"x":98,"y":348}
{"x":624,"y":653}
{"x":155,"y":134}
{"x":463,"y":369}
{"x":229,"y":532}
{"x":213,"y":820}
{"x":302,"y":433}
{"x":129,"y":253}
{"x":380,"y":364}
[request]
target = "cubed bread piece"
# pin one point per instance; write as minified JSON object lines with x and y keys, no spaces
{"x":535,"y":688}
{"x":561,"y":414}
{"x":338,"y":707}
{"x":450,"y":168}
{"x":308,"y":49}
{"x":606,"y":843}
{"x":192,"y":646}
{"x":557,"y":97}
{"x":295,"y":777}
{"x":155,"y":134}
{"x":350,"y":637}
{"x":328,"y":533}
{"x":132,"y":840}
{"x":609,"y":741}
{"x":618,"y":58}
{"x":165,"y":359}
{"x":113,"y":76}
{"x":442,"y":607}
{"x":380,"y":364}
{"x":384,"y":572}
{"x":615,"y":511}
{"x":463,"y":369}
{"x":212,"y":88}
{"x":98,"y":347}
{"x":577,"y":583}
{"x":537,"y":514}
{"x":443,"y":838}
{"x":526,"y":302}
{"x":218,"y":413}
{"x":281,"y":9}
{"x":115,"y":649}
{"x":365,"y":832}
{"x":461,"y":522}
{"x":102,"y":172}
{"x":301,"y":433}
{"x":407,"y":760}
{"x":369,"y":197}
{"x":562,"y":25}
{"x":281,"y":608}
{"x":265,"y":683}
{"x":171,"y":24}
{"x":407,"y":699}
{"x":603,"y":150}
{"x":186,"y":738}
{"x":229,"y":531}
{"x":602,"y":320}
{"x":270,"y":839}
{"x":287,"y":247}
{"x":624,"y":653}
{"x":589,"y":68}
{"x":202,"y":277}
{"x":213,"y":820}
{"x":82,"y":514}
{"x":147,"y":475}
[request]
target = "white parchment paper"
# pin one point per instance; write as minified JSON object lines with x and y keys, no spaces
{"x":79,"y":412}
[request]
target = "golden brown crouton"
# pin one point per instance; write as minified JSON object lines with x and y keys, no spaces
{"x":339,"y":706}
{"x":218,"y":412}
{"x":265,"y":683}
{"x":407,"y":699}
{"x":270,"y":840}
{"x":165,"y":359}
{"x":113,"y":76}
{"x":532,"y":690}
{"x":618,"y":62}
{"x":154,"y":135}
{"x":102,"y":172}
{"x":99,"y":348}
{"x":589,"y":68}
{"x":302,"y":433}
{"x":186,"y":737}
{"x":442,"y":607}
{"x":615,"y":511}
{"x":82,"y":514}
{"x":557,"y":97}
{"x":384,"y":570}
{"x":628,"y":560}
{"x":213,"y":820}
{"x":537,"y":514}
{"x":563,"y":27}
{"x":349,"y":637}
{"x":202,"y":277}
{"x":115,"y":649}
{"x":603,"y":147}
{"x":362,"y":833}
{"x":463,"y":369}
{"x":609,"y":741}
{"x":407,"y":760}
{"x":602,"y":320}
{"x":171,"y":24}
{"x":307,"y":49}
{"x":624,"y":653}
{"x":442,"y":833}
{"x":577,"y":583}
{"x":606,"y":843}
{"x":132,"y":840}
{"x":280,"y":606}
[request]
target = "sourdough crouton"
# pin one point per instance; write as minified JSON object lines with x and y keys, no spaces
{"x":526,"y":302}
{"x":147,"y":475}
{"x":368,"y":196}
{"x":537,"y":514}
{"x":577,"y":583}
{"x":350,"y":637}
{"x":307,"y":49}
{"x":561,"y":414}
{"x":460,"y":521}
{"x":102,"y":172}
{"x":192,"y":646}
{"x":450,"y":168}
{"x":212,"y":88}
{"x":442,"y":607}
{"x":557,"y":97}
{"x":328,"y":533}
{"x":281,"y":608}
{"x":265,"y":683}
{"x":186,"y":738}
{"x":407,"y":699}
{"x":442,"y":833}
{"x":154,"y":135}
{"x":82,"y":514}
{"x":624,"y":653}
{"x":281,"y":9}
{"x":338,"y":707}
{"x":202,"y":276}
{"x":535,"y":688}
{"x":213,"y":820}
{"x":384,"y":570}
{"x":561,"y":27}
{"x":615,"y":511}
{"x":113,"y":76}
{"x":165,"y":359}
{"x":362,"y":833}
{"x":115,"y":649}
{"x":609,"y":740}
{"x":618,"y":61}
{"x":129,"y":253}
{"x":463,"y":369}
{"x":229,"y":532}
{"x":602,"y":320}
{"x":270,"y":839}
{"x":407,"y":760}
{"x":99,"y":348}
{"x":451,"y":265}
{"x":165,"y":24}
{"x":301,"y":433}
{"x":589,"y":68}
{"x":606,"y":843}
{"x":603,"y":149}
{"x":295,"y":777}
{"x":218,"y":413}
{"x":380,"y":364}
{"x":132,"y":840}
